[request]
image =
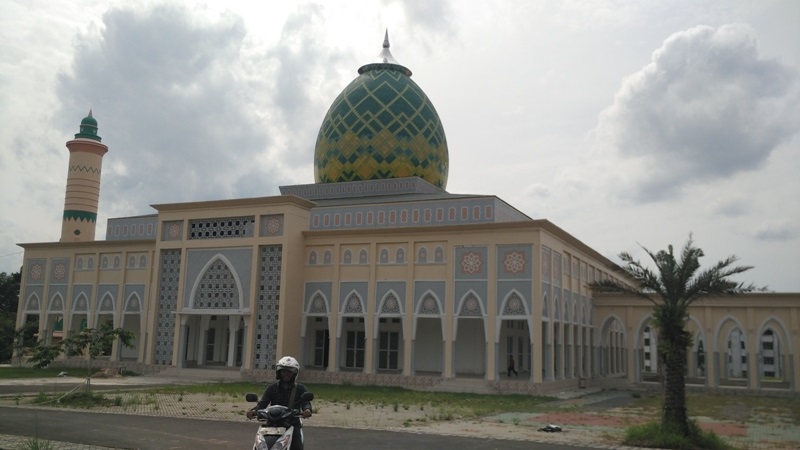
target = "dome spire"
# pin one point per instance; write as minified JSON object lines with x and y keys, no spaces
{"x":385,"y":57}
{"x":385,"y":60}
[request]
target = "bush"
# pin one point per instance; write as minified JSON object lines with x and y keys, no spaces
{"x":653,"y":435}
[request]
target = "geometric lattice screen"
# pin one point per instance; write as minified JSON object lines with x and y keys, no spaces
{"x":167,"y":302}
{"x":217,"y":288}
{"x":266,"y":307}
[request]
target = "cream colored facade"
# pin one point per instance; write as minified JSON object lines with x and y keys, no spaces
{"x":745,"y":341}
{"x":433,"y":301}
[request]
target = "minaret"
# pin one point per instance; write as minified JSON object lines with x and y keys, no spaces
{"x":83,"y":183}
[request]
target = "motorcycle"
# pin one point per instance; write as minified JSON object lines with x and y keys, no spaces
{"x":276,"y":429}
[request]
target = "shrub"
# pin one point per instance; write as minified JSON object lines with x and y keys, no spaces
{"x":653,"y":435}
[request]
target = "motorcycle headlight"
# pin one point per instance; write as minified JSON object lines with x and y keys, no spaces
{"x":261,"y":444}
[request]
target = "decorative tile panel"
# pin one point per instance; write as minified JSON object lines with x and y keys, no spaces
{"x":167,"y":303}
{"x":471,"y":263}
{"x":172,"y":230}
{"x":514,"y":262}
{"x":547,"y":272}
{"x":59,"y":270}
{"x":556,"y":269}
{"x":270,"y":260}
{"x":271,"y":225}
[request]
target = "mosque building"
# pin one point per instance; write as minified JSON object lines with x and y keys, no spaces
{"x":374,"y":274}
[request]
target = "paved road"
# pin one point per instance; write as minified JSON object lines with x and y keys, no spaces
{"x":162,"y":433}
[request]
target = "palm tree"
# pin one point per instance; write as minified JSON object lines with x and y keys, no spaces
{"x":672,"y":288}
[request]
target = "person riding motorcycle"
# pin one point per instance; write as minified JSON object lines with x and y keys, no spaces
{"x":286,"y":391}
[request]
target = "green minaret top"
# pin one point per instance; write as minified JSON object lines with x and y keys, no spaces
{"x":88,"y":128}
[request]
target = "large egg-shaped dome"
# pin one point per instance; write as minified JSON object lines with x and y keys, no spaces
{"x":381,"y":126}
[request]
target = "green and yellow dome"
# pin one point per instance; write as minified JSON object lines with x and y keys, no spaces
{"x":381,"y":126}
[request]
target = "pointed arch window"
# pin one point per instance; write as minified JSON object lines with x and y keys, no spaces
{"x":353,"y":304}
{"x":81,"y":304}
{"x":514,"y":306}
{"x":391,"y":305}
{"x":438,"y":255}
{"x":32,"y":305}
{"x":217,"y":288}
{"x":106,"y":304}
{"x":429,"y":305}
{"x":56,"y":304}
{"x":318,"y":304}
{"x":471,"y":306}
{"x":134,"y":305}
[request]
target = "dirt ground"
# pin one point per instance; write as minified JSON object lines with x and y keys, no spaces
{"x":597,"y":419}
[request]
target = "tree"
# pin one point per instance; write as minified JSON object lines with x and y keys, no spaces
{"x":90,"y":341}
{"x":9,"y":293}
{"x":24,"y":338}
{"x":9,"y":298}
{"x":672,"y":288}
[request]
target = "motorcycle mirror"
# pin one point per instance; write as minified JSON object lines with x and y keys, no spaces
{"x":307,"y":397}
{"x":250,"y":397}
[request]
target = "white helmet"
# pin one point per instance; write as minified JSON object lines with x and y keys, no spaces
{"x":287,"y":363}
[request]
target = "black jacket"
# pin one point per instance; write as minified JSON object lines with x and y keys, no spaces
{"x":275,"y":394}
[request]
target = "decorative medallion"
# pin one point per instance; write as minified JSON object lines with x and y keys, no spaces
{"x":36,"y":272}
{"x":273,"y":226}
{"x":514,"y":262}
{"x":59,"y":271}
{"x":174,"y":231}
{"x":471,"y":262}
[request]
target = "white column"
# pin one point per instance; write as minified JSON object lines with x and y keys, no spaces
{"x":233,"y":327}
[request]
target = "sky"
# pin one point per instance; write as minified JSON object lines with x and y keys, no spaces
{"x":628,"y":124}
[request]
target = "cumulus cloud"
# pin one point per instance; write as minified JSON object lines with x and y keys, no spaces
{"x":707,"y":106}
{"x":304,"y":82}
{"x":167,"y":89}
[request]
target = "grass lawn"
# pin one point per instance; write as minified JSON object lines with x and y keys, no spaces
{"x":7,"y":373}
{"x":734,"y":408}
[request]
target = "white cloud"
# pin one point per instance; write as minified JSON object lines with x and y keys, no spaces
{"x":164,"y":86}
{"x":706,"y":107}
